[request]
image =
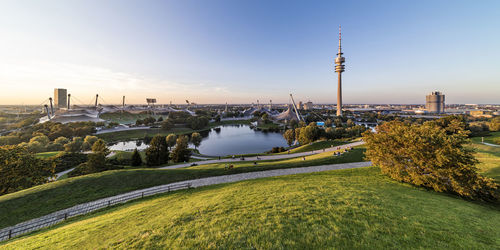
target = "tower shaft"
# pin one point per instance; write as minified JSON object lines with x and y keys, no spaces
{"x":339,"y":95}
{"x":339,"y":68}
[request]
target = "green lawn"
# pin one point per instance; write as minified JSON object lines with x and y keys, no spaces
{"x":344,"y":209}
{"x":316,"y":145}
{"x":44,"y":199}
{"x":47,"y":154}
{"x":494,"y":138}
{"x":489,"y":157}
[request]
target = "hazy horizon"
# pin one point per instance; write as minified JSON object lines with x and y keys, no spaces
{"x":213,"y":52}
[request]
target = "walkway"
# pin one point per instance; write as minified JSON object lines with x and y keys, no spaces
{"x":267,"y":157}
{"x":60,"y":215}
{"x":254,"y":158}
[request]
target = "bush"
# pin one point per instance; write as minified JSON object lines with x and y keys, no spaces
{"x":431,"y":155}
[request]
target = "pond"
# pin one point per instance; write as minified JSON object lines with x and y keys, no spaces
{"x":225,"y":140}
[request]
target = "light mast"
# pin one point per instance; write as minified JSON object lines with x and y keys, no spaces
{"x":339,"y":68}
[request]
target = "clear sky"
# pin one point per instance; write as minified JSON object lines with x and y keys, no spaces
{"x":238,"y":51}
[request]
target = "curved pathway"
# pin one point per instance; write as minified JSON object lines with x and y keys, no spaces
{"x":267,"y":157}
{"x":76,"y":210}
{"x":254,"y":158}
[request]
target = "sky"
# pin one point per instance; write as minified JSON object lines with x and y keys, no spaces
{"x":218,"y":51}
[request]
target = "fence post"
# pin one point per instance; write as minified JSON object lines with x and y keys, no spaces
{"x":109,"y":203}
{"x":189,"y":185}
{"x":142,"y":195}
{"x":168,"y":188}
{"x":10,"y":234}
{"x":65,"y":216}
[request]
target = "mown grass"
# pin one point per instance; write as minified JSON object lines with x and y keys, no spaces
{"x":345,"y":209}
{"x":44,"y":199}
{"x":488,"y":156}
{"x":316,"y":146}
{"x":45,"y":155}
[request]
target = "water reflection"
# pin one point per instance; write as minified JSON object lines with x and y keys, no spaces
{"x":225,"y":140}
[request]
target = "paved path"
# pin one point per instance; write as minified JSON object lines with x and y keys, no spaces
{"x":267,"y":157}
{"x":491,"y":144}
{"x":194,"y":183}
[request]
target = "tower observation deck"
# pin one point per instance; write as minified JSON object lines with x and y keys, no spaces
{"x":339,"y":68}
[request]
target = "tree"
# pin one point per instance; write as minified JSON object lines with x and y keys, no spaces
{"x":217,"y":118}
{"x":167,"y":125}
{"x":42,"y":139}
{"x":100,"y":147}
{"x":328,"y":123}
{"x":494,"y":125}
{"x":309,"y":133}
{"x":157,"y":152}
{"x":265,"y":118}
{"x":196,"y":139}
{"x":88,"y":142}
{"x":171,"y":138}
{"x":289,"y":136}
{"x":136,"y":158}
{"x":74,"y":146}
{"x":20,"y":169}
{"x":61,"y":140}
{"x":432,"y":155}
{"x":181,"y":153}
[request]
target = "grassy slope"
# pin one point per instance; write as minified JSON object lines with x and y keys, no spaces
{"x":47,"y":154}
{"x":47,"y":198}
{"x":316,"y":145}
{"x":489,"y":157}
{"x":355,"y":208}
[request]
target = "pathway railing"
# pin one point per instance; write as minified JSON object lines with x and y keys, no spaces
{"x":46,"y":221}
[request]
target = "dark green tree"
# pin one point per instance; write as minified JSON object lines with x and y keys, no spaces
{"x":136,"y":158}
{"x":157,"y":152}
{"x":181,"y":153}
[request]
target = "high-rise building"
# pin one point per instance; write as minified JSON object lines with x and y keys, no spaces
{"x":60,"y":98}
{"x":301,"y":105}
{"x":308,"y":105}
{"x":339,"y":68}
{"x":434,"y":102}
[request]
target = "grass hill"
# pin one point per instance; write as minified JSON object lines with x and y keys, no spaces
{"x":44,"y":199}
{"x":355,"y":208}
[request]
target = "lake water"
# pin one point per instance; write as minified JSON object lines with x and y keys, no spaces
{"x":225,"y":140}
